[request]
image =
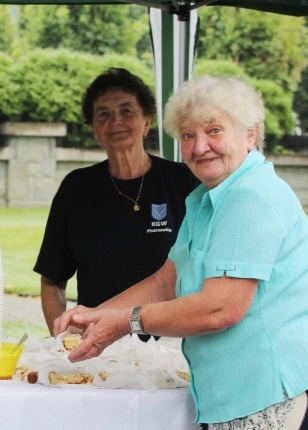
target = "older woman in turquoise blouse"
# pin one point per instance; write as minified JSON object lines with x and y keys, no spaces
{"x":235,"y":284}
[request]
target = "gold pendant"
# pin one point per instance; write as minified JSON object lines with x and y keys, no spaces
{"x":136,"y":207}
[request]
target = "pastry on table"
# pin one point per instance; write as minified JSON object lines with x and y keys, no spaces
{"x":21,"y":371}
{"x":74,"y":378}
{"x":26,"y":375}
{"x":71,"y":341}
{"x":183,"y":375}
{"x":104,"y":375}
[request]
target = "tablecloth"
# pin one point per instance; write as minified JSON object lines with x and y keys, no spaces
{"x":25,"y":406}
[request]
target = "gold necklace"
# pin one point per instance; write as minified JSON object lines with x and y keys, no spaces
{"x":136,"y":207}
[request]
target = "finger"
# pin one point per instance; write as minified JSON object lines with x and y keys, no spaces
{"x":87,"y":318}
{"x":87,"y":331}
{"x":84,"y":352}
{"x":66,"y":318}
{"x":60,"y":327}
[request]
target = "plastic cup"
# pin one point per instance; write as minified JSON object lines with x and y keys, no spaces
{"x":9,"y":360}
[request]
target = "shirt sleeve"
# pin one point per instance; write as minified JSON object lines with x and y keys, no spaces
{"x":55,"y":260}
{"x":246,"y":236}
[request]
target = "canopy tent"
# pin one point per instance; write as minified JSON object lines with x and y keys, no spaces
{"x":173,"y":25}
{"x":182,"y":8}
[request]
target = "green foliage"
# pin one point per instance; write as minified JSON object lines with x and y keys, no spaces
{"x":6,"y":28}
{"x":268,"y":46}
{"x":218,"y":68}
{"x":97,"y":29}
{"x":47,"y":85}
{"x":280,"y":150}
{"x":18,"y":328}
{"x":279,"y":119}
{"x":5,"y":64}
{"x":80,"y":41}
{"x":301,"y":101}
{"x":5,"y":61}
{"x":42,"y":26}
{"x":21,"y":234}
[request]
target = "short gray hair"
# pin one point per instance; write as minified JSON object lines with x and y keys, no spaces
{"x":200,"y":98}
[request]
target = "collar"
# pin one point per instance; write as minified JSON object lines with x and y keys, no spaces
{"x":203,"y":192}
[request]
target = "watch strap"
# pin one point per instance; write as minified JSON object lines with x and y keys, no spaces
{"x":135,"y":321}
{"x":135,"y":312}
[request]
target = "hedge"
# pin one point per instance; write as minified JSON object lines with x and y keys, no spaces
{"x":47,"y":85}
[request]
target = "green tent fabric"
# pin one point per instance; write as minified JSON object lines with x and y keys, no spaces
{"x":173,"y":46}
{"x":176,"y":62}
{"x":183,"y":7}
{"x":173,"y":26}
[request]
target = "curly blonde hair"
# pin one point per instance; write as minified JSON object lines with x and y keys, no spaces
{"x":199,"y":99}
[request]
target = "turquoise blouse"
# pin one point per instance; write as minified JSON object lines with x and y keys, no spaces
{"x":251,"y":225}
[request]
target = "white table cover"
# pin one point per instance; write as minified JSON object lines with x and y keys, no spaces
{"x":37,"y":407}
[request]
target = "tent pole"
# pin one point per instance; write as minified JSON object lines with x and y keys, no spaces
{"x":173,"y":52}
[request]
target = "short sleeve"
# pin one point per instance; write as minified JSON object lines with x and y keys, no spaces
{"x":55,"y":259}
{"x":246,"y":236}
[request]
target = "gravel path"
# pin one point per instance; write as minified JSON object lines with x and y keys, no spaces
{"x":27,"y":309}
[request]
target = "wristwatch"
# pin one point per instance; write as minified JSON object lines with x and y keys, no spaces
{"x":135,"y":321}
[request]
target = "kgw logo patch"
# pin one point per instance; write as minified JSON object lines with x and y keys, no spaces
{"x":159,"y":211}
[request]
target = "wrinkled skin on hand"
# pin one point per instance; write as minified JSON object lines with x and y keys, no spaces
{"x":109,"y":325}
{"x":66,"y":319}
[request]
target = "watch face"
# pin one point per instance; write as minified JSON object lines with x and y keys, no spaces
{"x":135,"y":325}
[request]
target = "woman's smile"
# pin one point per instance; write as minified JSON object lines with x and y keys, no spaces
{"x":117,"y":132}
{"x":207,"y":161}
{"x":215,"y":148}
{"x":119,"y":120}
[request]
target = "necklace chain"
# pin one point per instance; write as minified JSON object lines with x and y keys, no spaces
{"x":136,"y":207}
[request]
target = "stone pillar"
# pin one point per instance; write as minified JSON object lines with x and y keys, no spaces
{"x":31,"y":168}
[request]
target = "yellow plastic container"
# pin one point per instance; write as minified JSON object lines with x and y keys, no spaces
{"x":9,"y":360}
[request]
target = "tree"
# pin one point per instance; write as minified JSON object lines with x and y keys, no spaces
{"x":301,"y":101}
{"x":268,"y":46}
{"x":218,"y":68}
{"x":47,"y":85}
{"x":97,"y":29}
{"x":279,"y":118}
{"x":43,"y":26}
{"x":7,"y":28}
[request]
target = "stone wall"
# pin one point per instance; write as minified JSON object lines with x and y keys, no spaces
{"x":32,"y":167}
{"x":28,"y":163}
{"x":294,"y":170}
{"x":69,"y":159}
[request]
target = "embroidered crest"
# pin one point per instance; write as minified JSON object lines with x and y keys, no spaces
{"x":159,"y":211}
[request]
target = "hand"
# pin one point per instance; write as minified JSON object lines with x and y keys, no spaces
{"x":66,"y":319}
{"x":88,"y":330}
{"x":109,"y":326}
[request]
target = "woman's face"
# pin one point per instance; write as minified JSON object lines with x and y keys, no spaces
{"x":118,"y":120}
{"x":214,"y":149}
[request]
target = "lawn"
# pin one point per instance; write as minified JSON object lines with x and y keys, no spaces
{"x":18,"y":328}
{"x":21,"y":233}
